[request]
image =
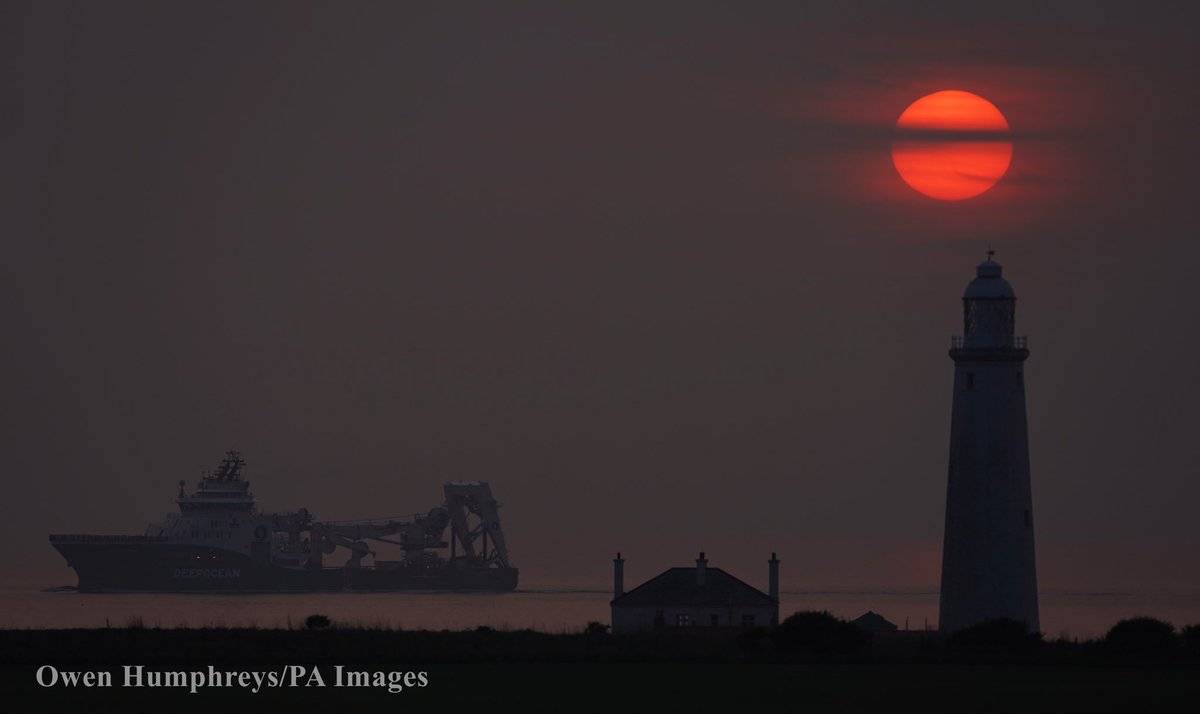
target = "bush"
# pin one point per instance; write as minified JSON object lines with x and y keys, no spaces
{"x":1191,"y":639}
{"x":817,"y":633}
{"x":595,"y":629}
{"x":317,"y":622}
{"x":1142,"y":636}
{"x":999,"y":634}
{"x":752,"y":639}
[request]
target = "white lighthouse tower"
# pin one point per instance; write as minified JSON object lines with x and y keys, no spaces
{"x":988,"y":568}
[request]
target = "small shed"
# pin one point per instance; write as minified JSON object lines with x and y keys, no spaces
{"x":693,"y":597}
{"x":871,"y":621}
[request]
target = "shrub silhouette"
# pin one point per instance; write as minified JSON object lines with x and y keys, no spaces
{"x":595,"y":629}
{"x":752,"y":638}
{"x":1191,"y":639}
{"x":316,"y":622}
{"x":817,"y":633}
{"x":1142,"y":636}
{"x":1001,"y":633}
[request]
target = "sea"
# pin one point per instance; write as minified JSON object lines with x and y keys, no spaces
{"x":1072,"y":615}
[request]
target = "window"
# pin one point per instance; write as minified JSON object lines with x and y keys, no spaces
{"x":714,"y":620}
{"x":747,"y":620}
{"x":969,"y":380}
{"x":682,"y":620}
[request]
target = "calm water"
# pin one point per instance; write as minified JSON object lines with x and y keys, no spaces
{"x":1073,"y":614}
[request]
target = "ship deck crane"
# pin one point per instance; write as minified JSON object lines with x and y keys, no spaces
{"x":470,"y":510}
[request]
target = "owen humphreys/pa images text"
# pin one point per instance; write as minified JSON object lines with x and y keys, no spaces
{"x":286,"y":676}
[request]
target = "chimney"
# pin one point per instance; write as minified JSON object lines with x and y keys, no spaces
{"x":618,"y":576}
{"x":773,"y":577}
{"x":701,"y":568}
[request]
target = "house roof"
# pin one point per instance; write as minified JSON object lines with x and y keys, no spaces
{"x":872,"y":621}
{"x":676,"y":587}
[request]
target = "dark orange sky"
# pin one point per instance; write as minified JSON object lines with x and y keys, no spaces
{"x":650,"y":272}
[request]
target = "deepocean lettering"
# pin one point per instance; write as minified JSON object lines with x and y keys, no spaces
{"x":208,"y":573}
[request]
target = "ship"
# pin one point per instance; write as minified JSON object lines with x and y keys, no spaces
{"x":219,"y":541}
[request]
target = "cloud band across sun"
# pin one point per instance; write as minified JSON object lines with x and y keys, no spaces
{"x":952,"y":145}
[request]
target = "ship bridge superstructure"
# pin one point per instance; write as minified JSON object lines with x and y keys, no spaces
{"x":222,"y":489}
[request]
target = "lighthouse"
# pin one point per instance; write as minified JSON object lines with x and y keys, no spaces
{"x":988,"y":568}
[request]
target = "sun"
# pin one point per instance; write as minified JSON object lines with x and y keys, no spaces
{"x":952,"y":145}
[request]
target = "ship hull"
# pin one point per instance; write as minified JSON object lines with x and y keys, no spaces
{"x":172,"y":567}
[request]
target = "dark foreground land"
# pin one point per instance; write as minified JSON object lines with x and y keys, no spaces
{"x":668,"y":671}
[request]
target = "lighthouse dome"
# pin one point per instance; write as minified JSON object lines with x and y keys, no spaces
{"x":988,"y":283}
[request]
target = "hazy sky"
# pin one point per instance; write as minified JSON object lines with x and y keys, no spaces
{"x":645,"y":267}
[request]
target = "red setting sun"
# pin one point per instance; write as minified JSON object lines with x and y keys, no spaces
{"x":952,"y":145}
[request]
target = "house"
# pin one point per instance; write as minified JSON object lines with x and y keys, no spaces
{"x":693,"y":597}
{"x":873,"y":622}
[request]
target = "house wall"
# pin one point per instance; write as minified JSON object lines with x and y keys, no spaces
{"x":635,"y":619}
